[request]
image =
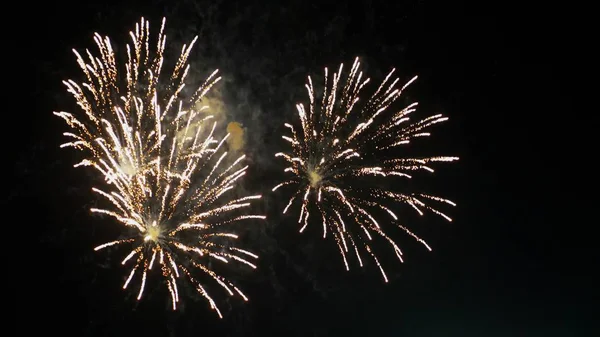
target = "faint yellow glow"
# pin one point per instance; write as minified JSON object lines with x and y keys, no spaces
{"x":236,"y":136}
{"x":153,"y":233}
{"x":215,"y":102}
{"x":314,"y":178}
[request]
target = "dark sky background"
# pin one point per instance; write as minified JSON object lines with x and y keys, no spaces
{"x":511,"y":264}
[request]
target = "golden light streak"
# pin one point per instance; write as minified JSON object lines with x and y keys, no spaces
{"x":167,"y":178}
{"x":338,"y":148}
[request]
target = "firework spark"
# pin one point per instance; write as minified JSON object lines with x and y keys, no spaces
{"x":332,"y":156}
{"x":168,"y":177}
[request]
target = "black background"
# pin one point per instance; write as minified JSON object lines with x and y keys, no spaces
{"x":513,"y":262}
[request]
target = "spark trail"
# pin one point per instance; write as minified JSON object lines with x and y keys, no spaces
{"x":339,"y":151}
{"x":169,"y":180}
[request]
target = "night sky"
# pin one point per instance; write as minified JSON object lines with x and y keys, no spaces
{"x":512,"y":263}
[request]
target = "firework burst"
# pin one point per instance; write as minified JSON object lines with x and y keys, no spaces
{"x":340,"y":149}
{"x":168,"y":176}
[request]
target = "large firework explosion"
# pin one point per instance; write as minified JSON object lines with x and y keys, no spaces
{"x":168,"y":178}
{"x":341,"y":146}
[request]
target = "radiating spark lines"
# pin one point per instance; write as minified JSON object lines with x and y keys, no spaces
{"x":169,"y":179}
{"x":339,"y":147}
